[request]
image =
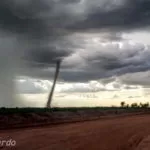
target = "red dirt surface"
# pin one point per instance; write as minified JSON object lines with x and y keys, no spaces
{"x":34,"y":119}
{"x":119,"y":133}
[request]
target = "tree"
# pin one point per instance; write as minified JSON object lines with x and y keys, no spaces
{"x":145,"y":105}
{"x":54,"y":83}
{"x":122,"y":104}
{"x":141,"y":105}
{"x":127,"y":105}
{"x":134,"y":105}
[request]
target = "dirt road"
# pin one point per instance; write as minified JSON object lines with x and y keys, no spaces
{"x":121,"y":133}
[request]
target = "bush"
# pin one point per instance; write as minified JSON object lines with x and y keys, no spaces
{"x":145,"y":105}
{"x":134,"y":105}
{"x":127,"y":106}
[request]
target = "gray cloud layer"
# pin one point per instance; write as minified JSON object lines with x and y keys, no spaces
{"x":131,"y":14}
{"x":41,"y":29}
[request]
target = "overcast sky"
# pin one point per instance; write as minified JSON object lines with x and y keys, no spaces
{"x":104,"y":46}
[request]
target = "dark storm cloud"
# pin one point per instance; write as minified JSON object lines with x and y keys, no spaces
{"x":105,"y":61}
{"x":36,"y":26}
{"x":133,"y":14}
{"x":43,"y":20}
{"x":35,"y":19}
{"x":97,"y":62}
{"x":18,"y":17}
{"x":47,"y":55}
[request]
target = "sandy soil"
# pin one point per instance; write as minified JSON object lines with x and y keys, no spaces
{"x":120,"y":133}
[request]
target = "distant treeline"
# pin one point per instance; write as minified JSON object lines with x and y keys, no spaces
{"x":133,"y":107}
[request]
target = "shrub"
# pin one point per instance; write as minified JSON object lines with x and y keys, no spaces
{"x":145,"y":105}
{"x":134,"y":105}
{"x":127,"y":105}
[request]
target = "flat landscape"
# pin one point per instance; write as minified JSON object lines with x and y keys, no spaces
{"x":128,"y":131}
{"x":74,"y":74}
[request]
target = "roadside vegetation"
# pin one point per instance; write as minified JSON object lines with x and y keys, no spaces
{"x":123,"y":107}
{"x":134,"y":105}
